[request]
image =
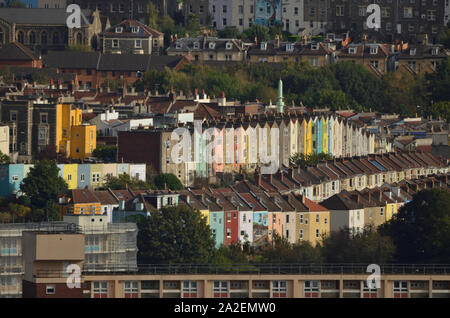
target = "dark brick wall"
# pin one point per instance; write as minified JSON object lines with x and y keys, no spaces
{"x":34,"y":290}
{"x":140,"y":147}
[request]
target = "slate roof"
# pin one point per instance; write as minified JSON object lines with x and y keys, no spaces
{"x":109,"y":62}
{"x":39,"y":16}
{"x":15,"y":51}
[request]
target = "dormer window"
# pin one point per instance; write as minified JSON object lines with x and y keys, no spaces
{"x":412,"y":51}
{"x":435,"y":51}
{"x":212,"y":45}
{"x":263,"y":46}
{"x":134,"y":29}
{"x":196,"y":45}
{"x":352,"y":50}
{"x":229,"y":46}
{"x":314,"y":46}
{"x":374,"y":50}
{"x":289,"y":47}
{"x":119,"y":29}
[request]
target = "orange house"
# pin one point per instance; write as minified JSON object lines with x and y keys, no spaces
{"x":79,"y":202}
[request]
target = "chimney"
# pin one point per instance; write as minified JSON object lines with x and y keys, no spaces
{"x":270,"y":178}
{"x":303,"y":198}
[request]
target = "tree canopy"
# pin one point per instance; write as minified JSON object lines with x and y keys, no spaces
{"x":421,"y":228}
{"x":167,"y":179}
{"x":174,"y":235}
{"x":42,"y":186}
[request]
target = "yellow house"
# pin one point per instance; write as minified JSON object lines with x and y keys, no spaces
{"x":312,"y":224}
{"x":325,"y":134}
{"x":205,"y":214}
{"x":71,"y":175}
{"x":71,"y":134}
{"x":83,"y":141}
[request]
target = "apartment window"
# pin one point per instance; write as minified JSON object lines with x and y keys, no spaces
{"x":69,"y":177}
{"x":279,"y":289}
{"x":339,"y":11}
{"x":385,"y":12}
{"x":138,"y":43}
{"x":13,"y":116}
{"x":407,"y":12}
{"x":50,"y":289}
{"x":301,"y":234}
{"x":130,"y":289}
{"x":301,"y":218}
{"x":311,"y":289}
{"x":44,"y":118}
{"x":400,"y":289}
{"x":100,"y":289}
{"x":220,"y":289}
{"x":431,"y":15}
{"x":82,"y":177}
{"x":317,"y":233}
{"x":287,"y":218}
{"x":362,"y":11}
{"x":382,"y":211}
{"x":326,"y":221}
{"x":189,"y":289}
{"x":318,"y":218}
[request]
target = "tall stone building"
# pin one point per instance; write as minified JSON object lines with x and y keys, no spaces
{"x":118,"y":10}
{"x":198,"y":8}
{"x":407,"y":20}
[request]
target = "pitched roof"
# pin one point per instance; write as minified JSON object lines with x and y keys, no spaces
{"x":45,"y":16}
{"x":341,"y":201}
{"x":15,"y":51}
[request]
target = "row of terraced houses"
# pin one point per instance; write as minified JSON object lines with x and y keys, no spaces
{"x":300,"y":204}
{"x":245,"y":143}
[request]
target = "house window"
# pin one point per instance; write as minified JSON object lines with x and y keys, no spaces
{"x":317,"y":233}
{"x":13,"y":116}
{"x":115,"y":43}
{"x":138,"y":44}
{"x":301,"y":234}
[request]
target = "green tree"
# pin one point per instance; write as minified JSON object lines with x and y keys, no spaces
{"x":152,"y":15}
{"x":4,"y":158}
{"x":230,"y":32}
{"x":439,"y":82}
{"x":105,"y":153}
{"x":174,"y":235}
{"x":42,"y":186}
{"x":444,"y":37}
{"x":167,"y":179}
{"x":367,"y":247}
{"x":16,"y":4}
{"x":193,"y":24}
{"x":260,"y":32}
{"x":439,"y":109}
{"x":421,"y":228}
{"x":124,"y":180}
